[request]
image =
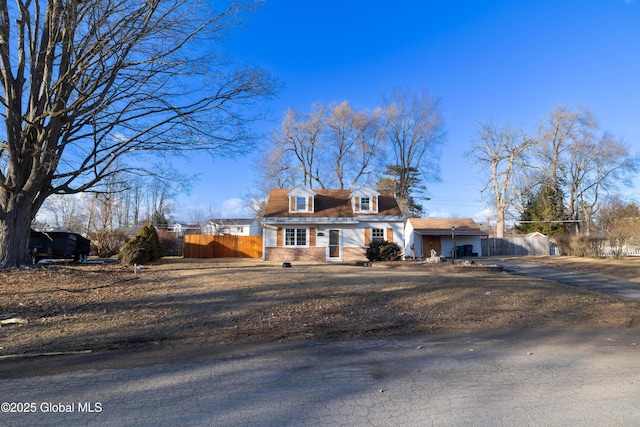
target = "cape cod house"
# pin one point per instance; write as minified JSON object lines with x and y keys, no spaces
{"x":303,"y":224}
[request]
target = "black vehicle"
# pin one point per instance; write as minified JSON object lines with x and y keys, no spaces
{"x":58,"y":245}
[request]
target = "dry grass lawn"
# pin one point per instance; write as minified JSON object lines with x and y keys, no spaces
{"x":71,"y":308}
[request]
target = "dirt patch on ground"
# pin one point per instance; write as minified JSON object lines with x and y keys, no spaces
{"x":72,"y":308}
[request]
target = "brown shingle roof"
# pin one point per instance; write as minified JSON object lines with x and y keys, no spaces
{"x":328,"y":204}
{"x":442,"y":226}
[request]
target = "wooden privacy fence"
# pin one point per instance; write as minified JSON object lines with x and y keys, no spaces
{"x":207,"y":246}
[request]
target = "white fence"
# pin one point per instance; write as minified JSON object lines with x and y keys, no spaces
{"x":604,"y":251}
{"x":627,"y":250}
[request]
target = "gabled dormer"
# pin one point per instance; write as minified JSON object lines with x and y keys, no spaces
{"x":364,"y":200}
{"x":301,"y":200}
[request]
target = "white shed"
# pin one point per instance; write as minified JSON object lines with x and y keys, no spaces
{"x":442,"y":235}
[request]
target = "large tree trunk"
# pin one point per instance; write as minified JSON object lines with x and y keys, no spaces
{"x":15,"y":227}
{"x":500,"y":224}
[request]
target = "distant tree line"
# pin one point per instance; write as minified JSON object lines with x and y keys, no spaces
{"x":124,"y":203}
{"x":561,"y":178}
{"x":395,"y":146}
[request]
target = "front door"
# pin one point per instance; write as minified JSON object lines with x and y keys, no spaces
{"x":334,"y":245}
{"x":431,"y":242}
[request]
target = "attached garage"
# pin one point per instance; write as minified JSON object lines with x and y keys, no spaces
{"x":441,"y":235}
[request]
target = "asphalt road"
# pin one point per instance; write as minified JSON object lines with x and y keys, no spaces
{"x":592,"y":282}
{"x":526,"y":379}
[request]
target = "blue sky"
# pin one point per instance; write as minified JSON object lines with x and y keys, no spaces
{"x":505,"y":61}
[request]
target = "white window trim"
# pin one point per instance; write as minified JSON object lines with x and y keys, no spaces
{"x":308,"y":204}
{"x":284,"y":237}
{"x":384,"y":234}
{"x":373,"y":200}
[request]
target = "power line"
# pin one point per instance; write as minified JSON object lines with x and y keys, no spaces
{"x":560,"y":222}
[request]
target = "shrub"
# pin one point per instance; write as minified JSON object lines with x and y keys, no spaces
{"x":107,"y":243}
{"x":170,"y":243}
{"x":580,"y":245}
{"x":145,"y":247}
{"x":379,"y":250}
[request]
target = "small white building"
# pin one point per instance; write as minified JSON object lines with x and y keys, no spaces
{"x":177,"y":228}
{"x":442,"y":235}
{"x":182,"y":229}
{"x":232,"y":227}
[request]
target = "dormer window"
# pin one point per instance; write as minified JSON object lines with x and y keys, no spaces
{"x":301,"y":204}
{"x":365,"y":203}
{"x":301,"y":199}
{"x":365,"y":200}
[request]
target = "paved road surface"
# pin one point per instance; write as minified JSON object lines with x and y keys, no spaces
{"x":532,"y":379}
{"x":592,"y":282}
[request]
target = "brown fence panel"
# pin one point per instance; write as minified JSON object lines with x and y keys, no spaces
{"x":197,"y":246}
{"x":207,"y":246}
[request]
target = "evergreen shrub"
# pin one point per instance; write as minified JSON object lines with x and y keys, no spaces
{"x":379,"y":250}
{"x":145,"y":247}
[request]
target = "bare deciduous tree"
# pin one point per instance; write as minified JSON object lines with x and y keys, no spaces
{"x":340,"y":147}
{"x":581,"y":163}
{"x":569,"y":158}
{"x":620,"y":222}
{"x":557,"y":133}
{"x":353,"y":139}
{"x":87,"y":83}
{"x":502,"y":153}
{"x":598,"y":166}
{"x":300,"y":137}
{"x":66,"y":212}
{"x":415,"y":131}
{"x":333,"y":146}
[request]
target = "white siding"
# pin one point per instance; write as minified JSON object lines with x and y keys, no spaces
{"x":270,"y":236}
{"x":412,"y":238}
{"x":352,"y":234}
{"x":460,"y":241}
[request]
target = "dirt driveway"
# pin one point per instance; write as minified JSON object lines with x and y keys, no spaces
{"x":178,"y":301}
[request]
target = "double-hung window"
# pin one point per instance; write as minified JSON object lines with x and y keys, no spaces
{"x":365,"y":203}
{"x":295,"y":237}
{"x":377,"y":234}
{"x":301,"y":204}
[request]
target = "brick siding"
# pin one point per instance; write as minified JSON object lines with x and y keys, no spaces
{"x":295,"y":254}
{"x":318,"y":254}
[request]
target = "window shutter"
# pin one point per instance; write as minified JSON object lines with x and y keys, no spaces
{"x":357,"y":208}
{"x":367,"y":236}
{"x":292,"y":204}
{"x":279,"y":237}
{"x":389,"y":234}
{"x":374,"y":204}
{"x":312,"y":237}
{"x":310,"y":203}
